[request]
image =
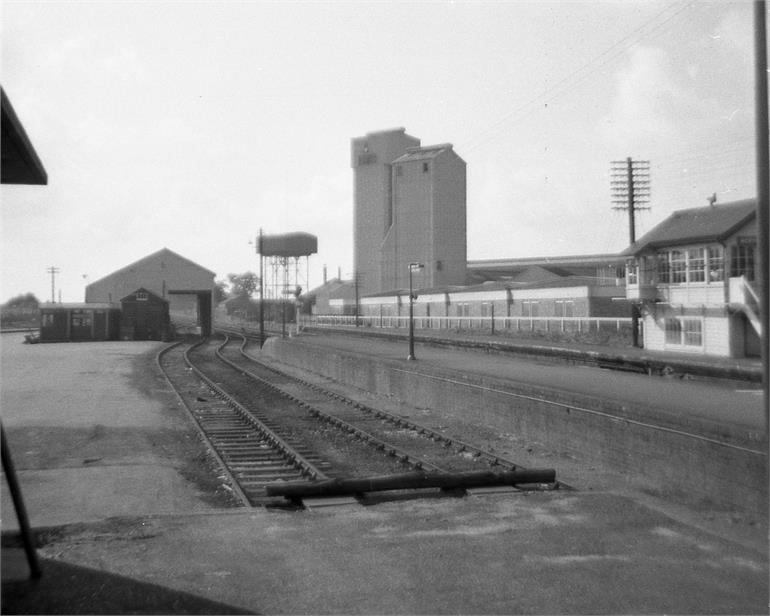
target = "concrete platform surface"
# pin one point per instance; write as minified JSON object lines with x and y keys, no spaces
{"x":734,"y":403}
{"x":127,"y":524}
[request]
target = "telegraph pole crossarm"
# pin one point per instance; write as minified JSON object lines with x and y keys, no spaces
{"x":53,"y":271}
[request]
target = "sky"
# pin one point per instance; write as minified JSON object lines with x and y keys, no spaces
{"x":191,"y":125}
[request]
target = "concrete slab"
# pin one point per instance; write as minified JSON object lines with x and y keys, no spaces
{"x":526,"y":554}
{"x":94,"y":432}
{"x":69,"y":495}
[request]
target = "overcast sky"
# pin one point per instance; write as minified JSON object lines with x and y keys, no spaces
{"x":190,"y":125}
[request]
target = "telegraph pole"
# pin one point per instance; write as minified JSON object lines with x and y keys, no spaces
{"x":261,"y":292}
{"x":53,"y":271}
{"x":630,"y":185}
{"x":356,"y":279}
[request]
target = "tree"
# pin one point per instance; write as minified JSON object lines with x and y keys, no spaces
{"x":220,"y":291}
{"x":26,"y":300}
{"x":243,"y":284}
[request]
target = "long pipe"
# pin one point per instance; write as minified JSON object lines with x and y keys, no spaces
{"x":410,"y":481}
{"x":763,"y":191}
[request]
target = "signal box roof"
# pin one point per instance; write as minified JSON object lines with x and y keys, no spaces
{"x":703,"y":224}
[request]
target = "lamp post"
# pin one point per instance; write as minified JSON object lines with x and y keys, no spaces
{"x":412,"y":267}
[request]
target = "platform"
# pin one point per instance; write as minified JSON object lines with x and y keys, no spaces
{"x":172,"y":547}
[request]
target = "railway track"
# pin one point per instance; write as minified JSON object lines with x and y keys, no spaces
{"x":268,"y":428}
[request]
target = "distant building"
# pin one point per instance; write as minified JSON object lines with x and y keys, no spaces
{"x":694,"y":278}
{"x":334,"y":297}
{"x":605,"y":269}
{"x":409,"y":206}
{"x":371,"y":158}
{"x":428,"y":223}
{"x":555,"y":298}
{"x":186,"y":286}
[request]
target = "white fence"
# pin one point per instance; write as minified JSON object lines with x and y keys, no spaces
{"x":510,"y":324}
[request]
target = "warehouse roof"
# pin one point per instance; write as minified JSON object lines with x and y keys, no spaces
{"x":79,"y":306}
{"x":155,"y":255}
{"x":703,"y":224}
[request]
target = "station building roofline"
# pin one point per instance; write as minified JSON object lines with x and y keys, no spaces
{"x":555,"y":260}
{"x":496,"y":285}
{"x":153,"y":255}
{"x":80,"y":306}
{"x":711,"y":223}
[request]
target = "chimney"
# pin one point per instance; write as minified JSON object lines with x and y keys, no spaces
{"x":324,"y":273}
{"x":712,"y":200}
{"x":339,"y":273}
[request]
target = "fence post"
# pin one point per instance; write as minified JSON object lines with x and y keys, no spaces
{"x":493,"y":318}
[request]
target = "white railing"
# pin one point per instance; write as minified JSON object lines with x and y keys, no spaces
{"x":741,"y":292}
{"x":487,"y":324}
{"x":745,"y":298}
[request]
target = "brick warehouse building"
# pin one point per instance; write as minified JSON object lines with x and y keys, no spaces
{"x":187,"y":286}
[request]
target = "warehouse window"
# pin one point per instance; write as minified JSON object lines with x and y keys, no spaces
{"x":716,"y":264}
{"x":673,"y":331}
{"x":664,"y":272}
{"x":692,"y":330}
{"x":632,"y":271}
{"x":47,"y":320}
{"x":529,"y":308}
{"x":696,"y":265}
{"x":463,"y":309}
{"x":678,"y":266}
{"x":684,"y":332}
{"x":81,"y":320}
{"x":565,"y":308}
{"x":742,"y":261}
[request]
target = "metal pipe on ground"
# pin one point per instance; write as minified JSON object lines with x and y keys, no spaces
{"x":409,"y":481}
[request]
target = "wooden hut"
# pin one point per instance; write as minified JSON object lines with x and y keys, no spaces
{"x":79,"y":322}
{"x":145,"y":316}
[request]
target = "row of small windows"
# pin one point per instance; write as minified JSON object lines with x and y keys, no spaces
{"x":529,"y":308}
{"x":77,"y":318}
{"x":701,"y":264}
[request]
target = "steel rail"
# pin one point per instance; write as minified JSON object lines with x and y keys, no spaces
{"x":461,"y":446}
{"x":491,"y":459}
{"x":234,"y":484}
{"x":403,"y":456}
{"x":305,"y":466}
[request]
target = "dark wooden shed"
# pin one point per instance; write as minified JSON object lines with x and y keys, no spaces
{"x":145,"y":316}
{"x":79,"y":322}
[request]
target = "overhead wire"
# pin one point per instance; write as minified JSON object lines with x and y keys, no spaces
{"x":561,"y":86}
